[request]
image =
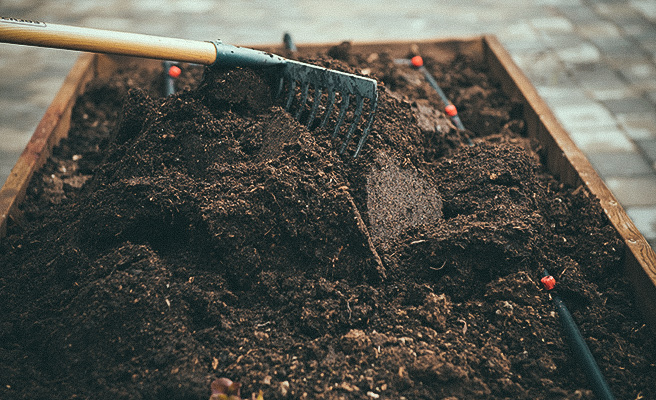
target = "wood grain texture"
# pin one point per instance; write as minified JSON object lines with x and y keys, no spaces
{"x":108,"y":42}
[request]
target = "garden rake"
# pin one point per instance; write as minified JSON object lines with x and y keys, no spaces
{"x":309,"y":85}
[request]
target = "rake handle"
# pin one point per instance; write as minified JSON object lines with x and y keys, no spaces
{"x":35,"y":33}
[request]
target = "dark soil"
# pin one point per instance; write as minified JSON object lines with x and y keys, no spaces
{"x":170,"y":241}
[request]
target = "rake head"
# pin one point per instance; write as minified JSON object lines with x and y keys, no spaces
{"x":318,"y":96}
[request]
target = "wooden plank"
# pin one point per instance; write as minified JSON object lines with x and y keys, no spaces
{"x":51,"y":129}
{"x":566,"y":161}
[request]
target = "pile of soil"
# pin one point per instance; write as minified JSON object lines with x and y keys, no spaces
{"x":173,"y":240}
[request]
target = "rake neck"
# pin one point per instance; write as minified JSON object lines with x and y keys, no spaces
{"x":232,"y":56}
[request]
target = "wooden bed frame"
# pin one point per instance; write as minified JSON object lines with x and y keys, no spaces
{"x":563,"y":158}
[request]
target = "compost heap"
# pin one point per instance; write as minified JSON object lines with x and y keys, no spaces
{"x":219,"y":237}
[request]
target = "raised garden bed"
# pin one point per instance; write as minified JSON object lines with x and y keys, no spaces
{"x":167,"y":242}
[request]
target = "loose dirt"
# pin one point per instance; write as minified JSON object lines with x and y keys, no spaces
{"x":170,"y":241}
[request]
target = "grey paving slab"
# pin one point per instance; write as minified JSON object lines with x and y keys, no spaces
{"x":580,"y":16}
{"x":563,"y":94}
{"x":597,"y":31}
{"x":632,"y":104}
{"x":634,"y":191}
{"x":543,"y":68}
{"x":646,"y":7}
{"x":648,"y":148}
{"x":624,"y":57}
{"x":620,"y":164}
{"x":609,"y":139}
{"x":588,"y":114}
{"x":617,"y":11}
{"x":645,"y":220}
{"x":639,"y":125}
{"x":615,"y":45}
{"x":601,"y":82}
{"x":558,"y":40}
{"x":579,"y":53}
{"x":639,"y":29}
{"x":640,"y":73}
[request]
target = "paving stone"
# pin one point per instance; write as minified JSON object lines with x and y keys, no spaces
{"x":559,"y":2}
{"x":617,"y":12}
{"x":582,"y":53}
{"x":518,"y":31}
{"x":646,"y":7}
{"x":552,"y":24}
{"x":648,"y":147}
{"x":600,"y":81}
{"x":644,"y":219}
{"x":620,"y":164}
{"x":652,"y":95}
{"x":621,"y":58}
{"x":634,"y":191}
{"x":109,"y":23}
{"x":579,"y":15}
{"x":629,"y":105}
{"x":586,"y":115}
{"x":638,"y":125}
{"x":639,"y":28}
{"x":564,"y":94}
{"x":596,"y":29}
{"x":19,"y":115}
{"x":13,"y":140}
{"x":542,"y":68}
{"x":613,"y":45}
{"x":602,"y":140}
{"x":640,"y":71}
{"x":559,"y":40}
{"x":640,"y":74}
{"x":44,"y":90}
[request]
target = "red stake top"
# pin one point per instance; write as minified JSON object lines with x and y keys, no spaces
{"x":174,"y":71}
{"x":417,"y":61}
{"x":549,"y":282}
{"x":451,"y":110}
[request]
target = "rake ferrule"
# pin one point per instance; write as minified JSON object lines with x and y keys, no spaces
{"x":228,"y":55}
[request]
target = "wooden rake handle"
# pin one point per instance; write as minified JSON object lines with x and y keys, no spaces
{"x":35,"y":33}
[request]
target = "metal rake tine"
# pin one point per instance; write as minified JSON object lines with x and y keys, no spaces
{"x":281,"y":85}
{"x":290,"y":95}
{"x":354,"y":124}
{"x":330,"y":82}
{"x":315,"y":105}
{"x":329,"y":108}
{"x":365,"y":132}
{"x":304,"y":95}
{"x":342,"y":113}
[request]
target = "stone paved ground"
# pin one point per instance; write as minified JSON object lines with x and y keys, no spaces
{"x":593,"y":61}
